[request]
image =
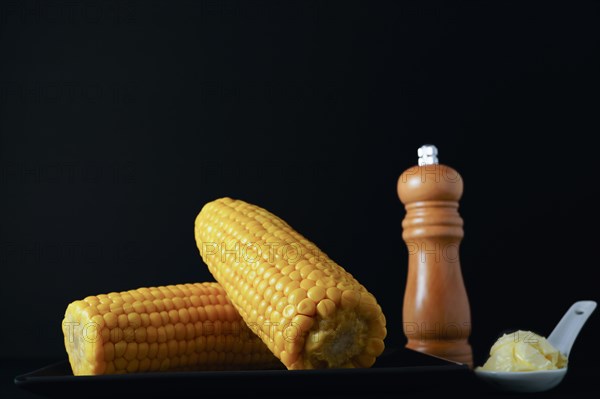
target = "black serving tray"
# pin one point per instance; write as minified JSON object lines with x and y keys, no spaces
{"x":396,"y":371}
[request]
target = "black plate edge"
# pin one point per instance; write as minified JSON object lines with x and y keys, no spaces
{"x":32,"y":378}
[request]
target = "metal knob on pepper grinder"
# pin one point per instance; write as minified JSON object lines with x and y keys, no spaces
{"x":436,"y":314}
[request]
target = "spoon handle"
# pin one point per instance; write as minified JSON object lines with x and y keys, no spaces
{"x":567,"y":329}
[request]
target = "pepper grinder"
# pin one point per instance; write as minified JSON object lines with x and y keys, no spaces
{"x":436,"y":314}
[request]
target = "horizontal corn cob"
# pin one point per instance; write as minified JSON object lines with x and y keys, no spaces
{"x":185,"y":326}
{"x":309,"y":311}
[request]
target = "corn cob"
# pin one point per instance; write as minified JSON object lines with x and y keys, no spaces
{"x":308,"y":310}
{"x":185,"y":326}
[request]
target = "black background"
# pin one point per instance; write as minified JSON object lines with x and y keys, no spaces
{"x":120,"y":119}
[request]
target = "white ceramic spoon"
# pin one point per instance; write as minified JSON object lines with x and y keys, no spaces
{"x":562,"y":338}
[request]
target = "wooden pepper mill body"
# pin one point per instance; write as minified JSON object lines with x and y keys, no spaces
{"x":436,"y":314}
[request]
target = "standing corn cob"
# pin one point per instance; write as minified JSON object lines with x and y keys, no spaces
{"x":309,"y":311}
{"x":186,"y":326}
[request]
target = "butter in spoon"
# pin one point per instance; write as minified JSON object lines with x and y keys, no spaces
{"x":562,"y":338}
